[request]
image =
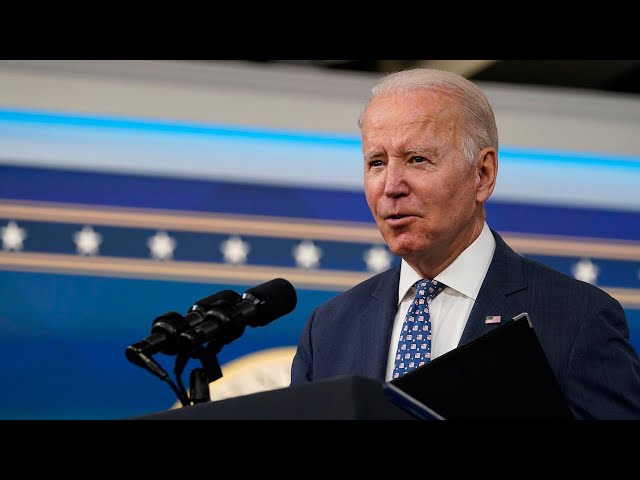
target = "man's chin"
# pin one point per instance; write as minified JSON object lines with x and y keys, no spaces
{"x":402,"y":249}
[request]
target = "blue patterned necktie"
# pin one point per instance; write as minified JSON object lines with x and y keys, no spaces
{"x":414,"y":345}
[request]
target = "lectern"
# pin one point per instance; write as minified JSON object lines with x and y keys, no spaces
{"x":348,"y":397}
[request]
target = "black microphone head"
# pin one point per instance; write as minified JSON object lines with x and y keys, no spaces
{"x":273,"y":299}
{"x":222,"y":297}
{"x":164,"y":330}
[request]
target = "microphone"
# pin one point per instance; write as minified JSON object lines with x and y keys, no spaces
{"x":258,"y":306}
{"x":166,"y":329}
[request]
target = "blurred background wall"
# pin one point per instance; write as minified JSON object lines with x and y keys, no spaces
{"x":132,"y":188}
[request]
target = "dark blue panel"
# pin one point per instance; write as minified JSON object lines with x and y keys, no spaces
{"x":63,"y":337}
{"x":555,"y":220}
{"x":121,"y":190}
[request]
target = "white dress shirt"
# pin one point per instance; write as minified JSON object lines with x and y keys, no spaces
{"x":450,"y":309}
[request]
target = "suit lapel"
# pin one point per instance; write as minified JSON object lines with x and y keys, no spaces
{"x":503,"y":278}
{"x":380,"y":312}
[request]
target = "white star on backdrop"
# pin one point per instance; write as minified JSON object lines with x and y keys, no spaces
{"x":307,"y":254}
{"x":87,"y":241}
{"x":586,"y":270}
{"x":377,"y":259}
{"x":12,"y":236}
{"x":235,"y":250}
{"x":161,"y":246}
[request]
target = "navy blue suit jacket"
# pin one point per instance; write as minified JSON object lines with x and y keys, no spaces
{"x":583,"y":331}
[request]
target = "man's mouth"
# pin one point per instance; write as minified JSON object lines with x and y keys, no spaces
{"x":398,"y":219}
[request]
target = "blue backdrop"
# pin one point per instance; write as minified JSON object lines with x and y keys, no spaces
{"x":67,"y":312}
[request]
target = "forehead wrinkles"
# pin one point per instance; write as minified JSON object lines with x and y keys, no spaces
{"x":414,"y":128}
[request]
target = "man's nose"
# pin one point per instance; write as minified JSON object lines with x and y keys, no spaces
{"x":395,"y":182}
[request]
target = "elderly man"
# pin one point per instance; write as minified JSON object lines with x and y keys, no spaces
{"x":430,"y":148}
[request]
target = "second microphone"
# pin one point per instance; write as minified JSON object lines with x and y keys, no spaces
{"x":257,"y":307}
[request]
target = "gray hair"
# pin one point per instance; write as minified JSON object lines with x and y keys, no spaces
{"x":478,"y":121}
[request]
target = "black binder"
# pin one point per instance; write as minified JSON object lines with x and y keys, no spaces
{"x":503,"y":375}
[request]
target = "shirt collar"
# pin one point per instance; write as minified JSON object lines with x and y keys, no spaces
{"x":465,"y":274}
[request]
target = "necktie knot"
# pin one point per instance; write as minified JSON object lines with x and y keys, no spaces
{"x":414,"y":345}
{"x":428,"y":289}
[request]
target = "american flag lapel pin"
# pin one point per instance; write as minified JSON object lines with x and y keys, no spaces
{"x":492,"y":319}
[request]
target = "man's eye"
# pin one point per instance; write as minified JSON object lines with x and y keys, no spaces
{"x":418,"y":159}
{"x":375,"y":163}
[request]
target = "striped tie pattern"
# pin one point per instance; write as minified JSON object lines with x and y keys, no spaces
{"x":414,"y":345}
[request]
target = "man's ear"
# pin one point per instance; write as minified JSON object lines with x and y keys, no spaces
{"x":486,"y":173}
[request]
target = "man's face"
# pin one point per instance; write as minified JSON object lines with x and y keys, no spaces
{"x":419,"y":187}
